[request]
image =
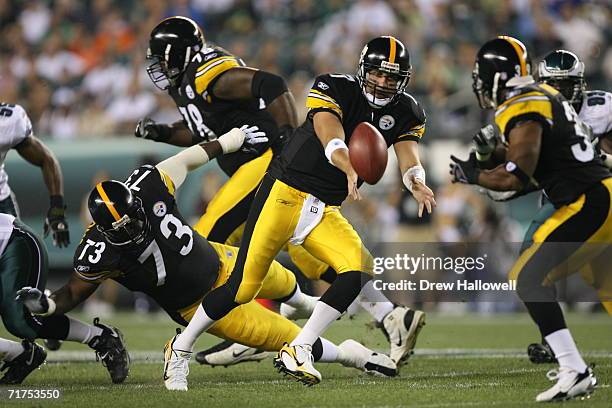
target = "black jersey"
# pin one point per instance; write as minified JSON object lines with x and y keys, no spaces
{"x":208,"y":116}
{"x":176,"y":266}
{"x":567,"y":165}
{"x":302,"y":163}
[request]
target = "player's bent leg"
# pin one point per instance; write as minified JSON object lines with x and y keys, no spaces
{"x":229,"y":208}
{"x":311,"y":267}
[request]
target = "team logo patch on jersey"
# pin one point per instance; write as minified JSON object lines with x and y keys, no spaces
{"x":386,"y":122}
{"x":189,"y":92}
{"x":322,"y":85}
{"x":159,"y":208}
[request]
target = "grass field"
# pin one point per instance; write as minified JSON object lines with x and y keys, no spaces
{"x":469,"y":361}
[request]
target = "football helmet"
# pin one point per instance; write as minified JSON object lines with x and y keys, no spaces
{"x":387,"y":56}
{"x":118,"y":214}
{"x":564,"y":71}
{"x":172,"y":44}
{"x":500,"y":64}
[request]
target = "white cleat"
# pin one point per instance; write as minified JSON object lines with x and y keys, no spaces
{"x":402,"y":326}
{"x":297,"y":362}
{"x":176,"y":366}
{"x":570,"y":384}
{"x":302,"y":312}
{"x":356,"y":355}
{"x":228,"y":353}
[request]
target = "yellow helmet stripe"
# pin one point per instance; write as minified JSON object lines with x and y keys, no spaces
{"x":392,"y":48}
{"x":521,"y":51}
{"x":108,"y":202}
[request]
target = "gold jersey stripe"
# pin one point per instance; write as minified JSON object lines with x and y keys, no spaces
{"x":211,"y":62}
{"x":323,"y":97}
{"x":167,"y":181}
{"x":313,"y":102}
{"x":549,"y":89}
{"x":514,"y":98}
{"x":541,"y":107}
{"x":314,"y":91}
{"x":392,"y":49}
{"x":207,"y":76}
{"x":108,"y":202}
{"x":520,"y":50}
{"x":418,"y":131}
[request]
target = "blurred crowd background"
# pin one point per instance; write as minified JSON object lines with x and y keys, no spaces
{"x":78,"y":68}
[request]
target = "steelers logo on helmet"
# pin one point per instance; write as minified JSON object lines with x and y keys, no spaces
{"x":384,"y":70}
{"x":501,"y":64}
{"x":172,"y":44}
{"x":118,"y":214}
{"x":564,"y":71}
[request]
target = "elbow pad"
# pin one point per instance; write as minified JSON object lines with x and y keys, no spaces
{"x":267,"y":86}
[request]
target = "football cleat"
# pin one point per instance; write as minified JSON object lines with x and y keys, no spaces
{"x":356,"y":355}
{"x":111,"y":351}
{"x":228,"y":353}
{"x":295,"y":313}
{"x":176,"y":366}
{"x":52,"y":344}
{"x":21,"y":366}
{"x":541,"y":353}
{"x":570,"y":384}
{"x":297,"y":362}
{"x":401,"y":327}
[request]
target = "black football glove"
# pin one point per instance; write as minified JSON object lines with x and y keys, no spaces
{"x":56,"y":222}
{"x":485,"y":142}
{"x":147,"y":128}
{"x":465,"y":172}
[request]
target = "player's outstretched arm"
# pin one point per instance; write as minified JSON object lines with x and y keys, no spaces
{"x":35,"y":152}
{"x":413,"y":174}
{"x":177,"y":166}
{"x":330,"y":132}
{"x":245,"y":83}
{"x":61,"y":301}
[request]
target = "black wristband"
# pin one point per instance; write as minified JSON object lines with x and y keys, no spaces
{"x":524,"y":178}
{"x":56,"y":201}
{"x":164,"y":132}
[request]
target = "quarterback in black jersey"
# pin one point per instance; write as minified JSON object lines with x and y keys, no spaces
{"x":544,"y":146}
{"x":140,"y":239}
{"x":298,"y":200}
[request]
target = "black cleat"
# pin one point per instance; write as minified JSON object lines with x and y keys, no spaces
{"x":22,"y":365}
{"x":541,"y":353}
{"x":110,"y":349}
{"x":52,"y":344}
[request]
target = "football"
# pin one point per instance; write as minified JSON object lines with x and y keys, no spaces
{"x":368,"y":152}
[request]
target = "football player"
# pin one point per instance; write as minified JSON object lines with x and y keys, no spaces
{"x":215,"y":91}
{"x":23,"y":262}
{"x":140,"y":239}
{"x":299,"y":198}
{"x":547,"y":146}
{"x":16,"y":133}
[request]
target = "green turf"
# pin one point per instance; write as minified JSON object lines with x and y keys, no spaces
{"x":431,"y":379}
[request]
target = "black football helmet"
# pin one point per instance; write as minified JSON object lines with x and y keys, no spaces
{"x":172,"y":44}
{"x":118,"y":214}
{"x":387,"y":55}
{"x":564,"y":71}
{"x":500,"y":64}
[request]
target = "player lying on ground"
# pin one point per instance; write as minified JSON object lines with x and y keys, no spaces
{"x":140,"y":239}
{"x":547,"y":147}
{"x":23,"y":262}
{"x":214,"y":92}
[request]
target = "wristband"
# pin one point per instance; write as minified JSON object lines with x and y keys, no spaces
{"x":418,"y":172}
{"x":332,"y":146}
{"x":56,"y":201}
{"x":50,"y":310}
{"x":524,"y":178}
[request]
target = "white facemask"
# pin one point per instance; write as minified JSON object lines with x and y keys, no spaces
{"x":374,"y":101}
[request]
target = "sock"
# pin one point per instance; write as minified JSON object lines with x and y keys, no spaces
{"x":300,"y":300}
{"x":81,"y":332}
{"x":562,"y":343}
{"x":322,"y":316}
{"x":374,"y":302}
{"x":9,"y":349}
{"x":330,"y":351}
{"x":200,"y":322}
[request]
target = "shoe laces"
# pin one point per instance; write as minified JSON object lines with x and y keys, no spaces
{"x":178,"y":362}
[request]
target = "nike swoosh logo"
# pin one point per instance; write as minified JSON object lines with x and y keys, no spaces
{"x":239,"y":353}
{"x":29,"y":362}
{"x":299,"y":363}
{"x":399,"y":343}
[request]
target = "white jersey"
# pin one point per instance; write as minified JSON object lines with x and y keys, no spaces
{"x":6,"y":229}
{"x":596,"y":111}
{"x":15,"y":126}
